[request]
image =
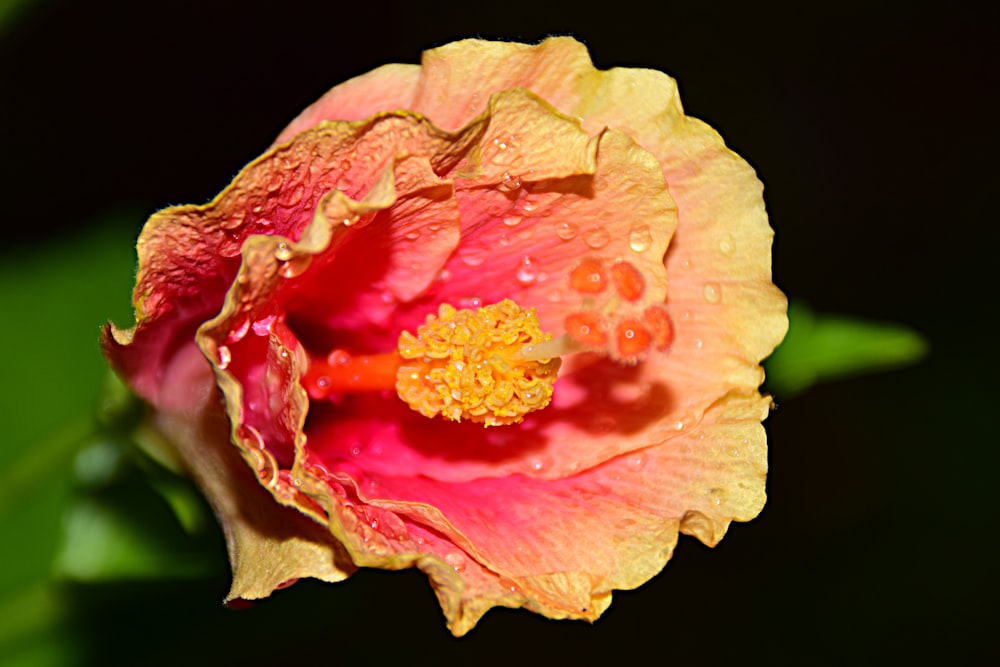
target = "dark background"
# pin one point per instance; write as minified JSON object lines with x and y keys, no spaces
{"x":875,"y":131}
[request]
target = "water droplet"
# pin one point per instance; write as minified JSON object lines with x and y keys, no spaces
{"x":234,"y":221}
{"x":295,"y":267}
{"x":239,"y":330}
{"x":456,"y":560}
{"x":640,"y":238}
{"x":293,"y":197}
{"x":678,"y":425}
{"x":527,"y":271}
{"x":712,"y":292}
{"x":528,"y":206}
{"x":566,"y":231}
{"x":512,"y":220}
{"x":511,"y":181}
{"x":537,"y":465}
{"x":283,"y":252}
{"x":412,"y":236}
{"x":596,"y":237}
{"x":262,"y":327}
{"x":698,"y":344}
{"x":230,"y":245}
{"x":434,"y":227}
{"x":274,"y":183}
{"x":636,"y":461}
{"x":504,"y":240}
{"x":374,"y":524}
{"x":470,"y":302}
{"x":225,"y":356}
{"x":726,"y":244}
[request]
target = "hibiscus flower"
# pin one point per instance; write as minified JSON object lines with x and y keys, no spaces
{"x":499,"y":316}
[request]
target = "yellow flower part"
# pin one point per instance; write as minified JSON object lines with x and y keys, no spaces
{"x":465,"y":364}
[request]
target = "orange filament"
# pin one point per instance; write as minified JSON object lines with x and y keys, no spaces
{"x":588,"y":277}
{"x":341,"y":373}
{"x":629,"y":283}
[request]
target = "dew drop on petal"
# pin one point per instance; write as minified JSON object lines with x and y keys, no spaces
{"x":470,"y":302}
{"x":636,"y":461}
{"x":504,"y":240}
{"x":640,"y":238}
{"x":678,"y":425}
{"x":712,"y":292}
{"x":262,"y":327}
{"x":274,"y":183}
{"x":283,"y":252}
{"x":511,"y":181}
{"x":566,"y":231}
{"x":473,"y":255}
{"x":596,"y":237}
{"x":412,"y":235}
{"x":456,"y":560}
{"x":726,"y":244}
{"x":527,"y":271}
{"x":512,"y":220}
{"x":528,"y":206}
{"x":293,"y":197}
{"x":234,"y":221}
{"x":225,"y":356}
{"x":239,"y":330}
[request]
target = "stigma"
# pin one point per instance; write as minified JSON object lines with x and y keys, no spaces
{"x":476,"y":364}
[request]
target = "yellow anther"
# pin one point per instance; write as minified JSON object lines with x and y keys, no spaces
{"x":465,"y":364}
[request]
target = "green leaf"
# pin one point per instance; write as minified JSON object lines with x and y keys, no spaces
{"x":56,"y":295}
{"x":823,"y":348}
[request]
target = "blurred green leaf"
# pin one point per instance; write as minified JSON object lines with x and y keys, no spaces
{"x":128,"y":532}
{"x":61,"y":293}
{"x":821,"y":348}
{"x":56,"y":296}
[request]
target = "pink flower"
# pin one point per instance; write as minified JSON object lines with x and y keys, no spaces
{"x":502,"y":235}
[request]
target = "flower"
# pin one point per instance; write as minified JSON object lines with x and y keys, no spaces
{"x":498,"y":316}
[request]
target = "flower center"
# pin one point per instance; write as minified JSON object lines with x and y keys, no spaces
{"x":482,"y":365}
